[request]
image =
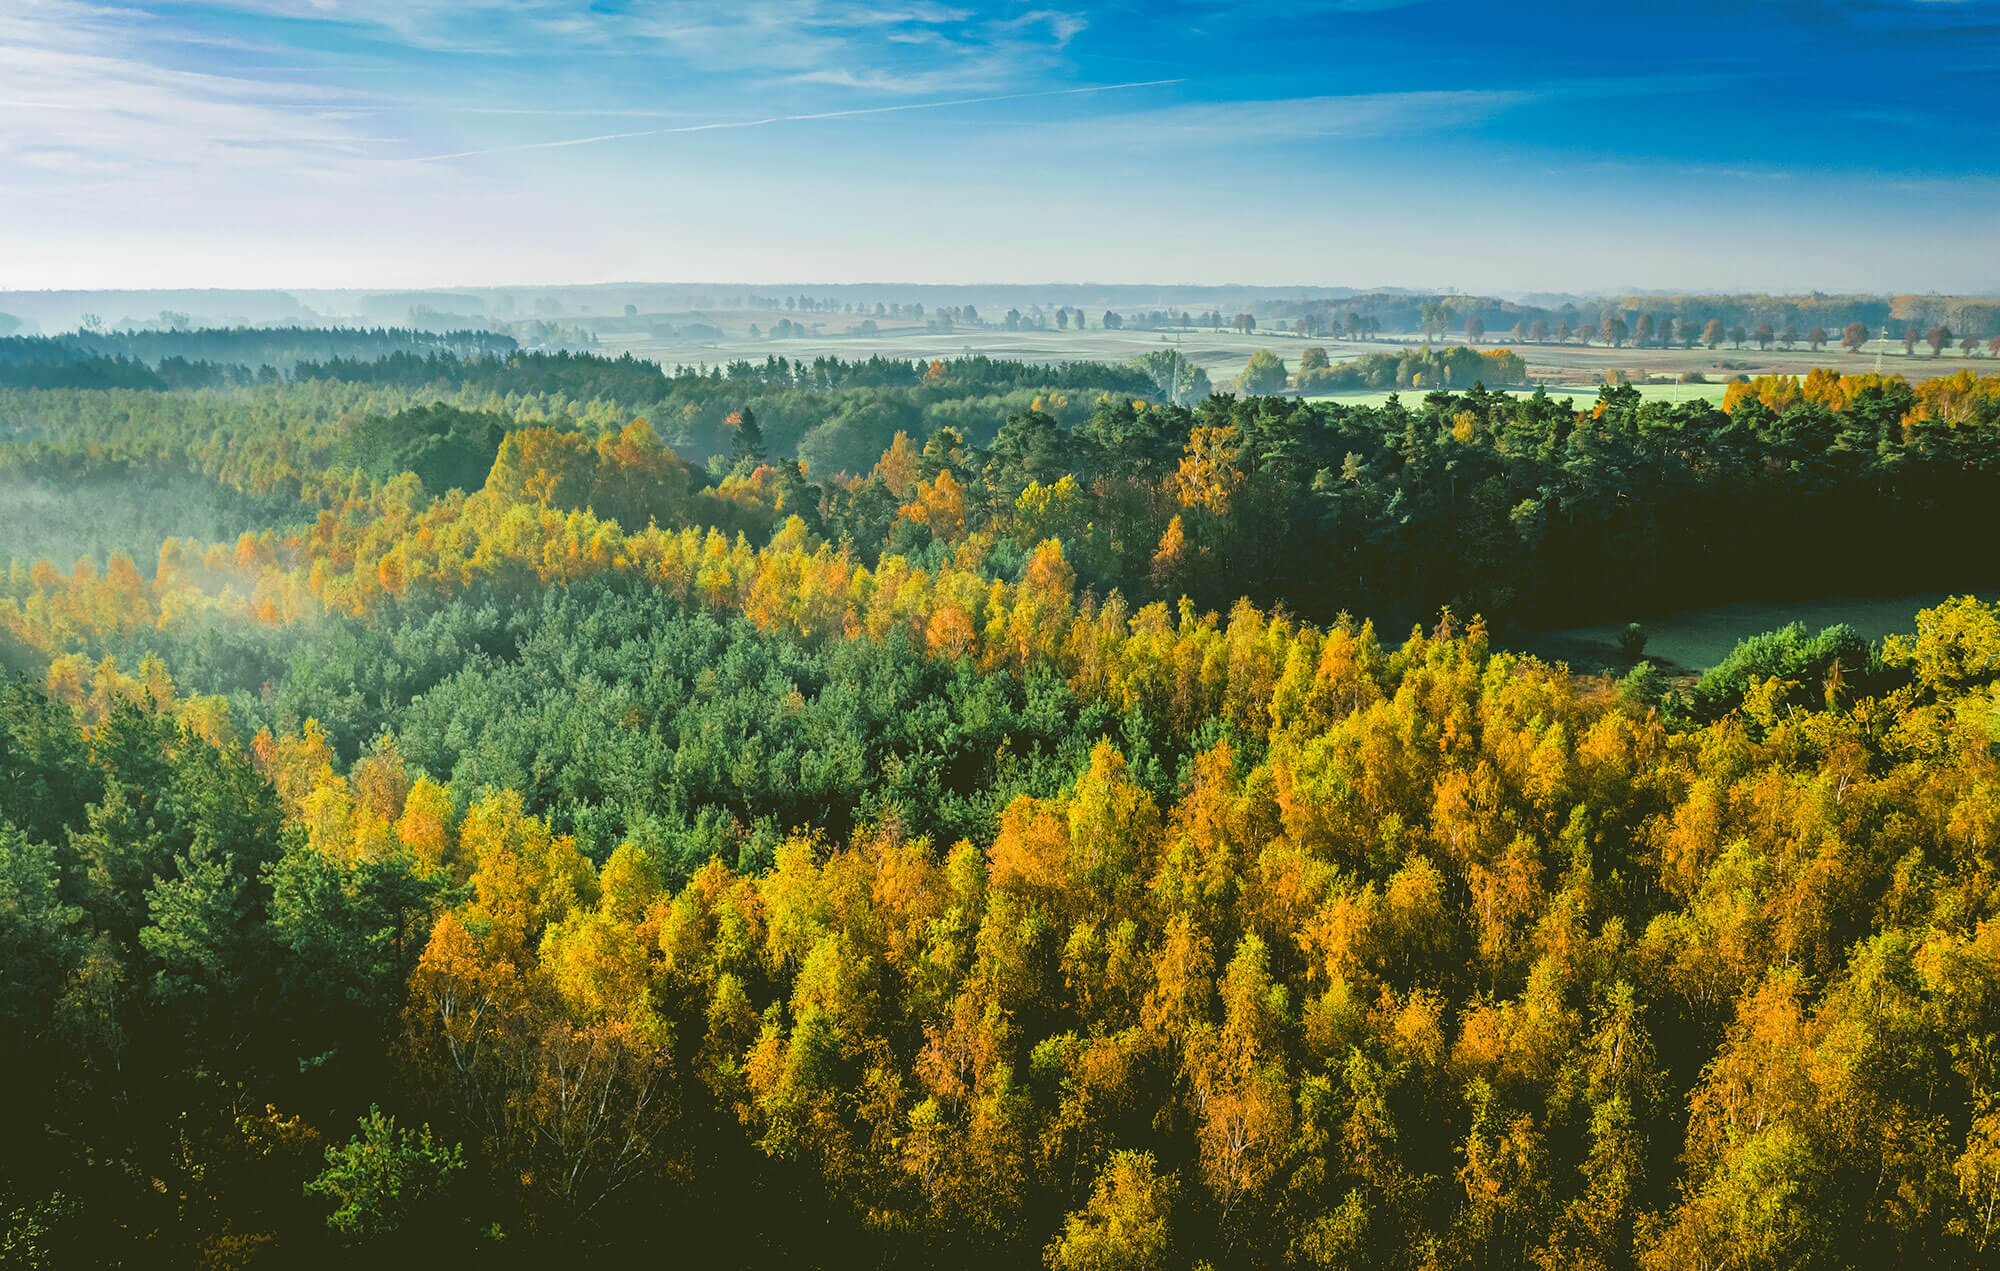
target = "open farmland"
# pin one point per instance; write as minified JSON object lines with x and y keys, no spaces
{"x":1223,"y":353}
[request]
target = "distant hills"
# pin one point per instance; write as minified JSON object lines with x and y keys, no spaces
{"x":499,"y":308}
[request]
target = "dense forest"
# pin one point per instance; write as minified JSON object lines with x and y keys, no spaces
{"x":202,"y":358}
{"x":971,"y":813}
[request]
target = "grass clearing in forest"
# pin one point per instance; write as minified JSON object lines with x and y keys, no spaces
{"x":1692,"y":640}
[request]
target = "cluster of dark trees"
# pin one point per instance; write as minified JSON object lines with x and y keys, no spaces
{"x":445,"y":447}
{"x":221,"y":357}
{"x":56,"y":366}
{"x":1520,"y":508}
{"x":978,"y":374}
{"x":178,"y":966}
{"x":840,"y":414}
{"x":578,"y":375}
{"x":627,"y":379}
{"x":1457,"y":367}
{"x":281,"y":347}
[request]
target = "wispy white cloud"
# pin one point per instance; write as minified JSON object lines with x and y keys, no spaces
{"x":730,"y":124}
{"x":1218,"y":125}
{"x":1301,"y":7}
{"x":94,"y":94}
{"x":1200,"y":125}
{"x":893,"y":47}
{"x":84,"y":95}
{"x":1061,"y":27}
{"x":908,"y":83}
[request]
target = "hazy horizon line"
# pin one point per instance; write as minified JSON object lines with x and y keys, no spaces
{"x":1989,"y":290}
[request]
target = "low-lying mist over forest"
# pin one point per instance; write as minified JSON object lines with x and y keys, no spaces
{"x":47,"y":513}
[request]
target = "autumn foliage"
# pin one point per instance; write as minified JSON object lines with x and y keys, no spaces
{"x":1260,"y":940}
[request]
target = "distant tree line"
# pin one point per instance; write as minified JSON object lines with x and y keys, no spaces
{"x":254,"y":347}
{"x":1667,"y":319}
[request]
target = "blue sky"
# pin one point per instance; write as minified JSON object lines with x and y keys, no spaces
{"x":1759,"y":144}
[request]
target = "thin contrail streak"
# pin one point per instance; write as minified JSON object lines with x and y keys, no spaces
{"x":783,"y":119}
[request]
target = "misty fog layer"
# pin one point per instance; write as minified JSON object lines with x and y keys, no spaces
{"x":65,"y":519}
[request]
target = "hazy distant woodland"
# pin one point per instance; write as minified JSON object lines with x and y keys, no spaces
{"x":1664,"y":338}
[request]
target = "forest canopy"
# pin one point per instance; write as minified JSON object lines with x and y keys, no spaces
{"x":975,"y":813}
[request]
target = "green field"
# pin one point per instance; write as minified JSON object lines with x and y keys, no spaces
{"x":1693,"y":640}
{"x":1580,"y":393}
